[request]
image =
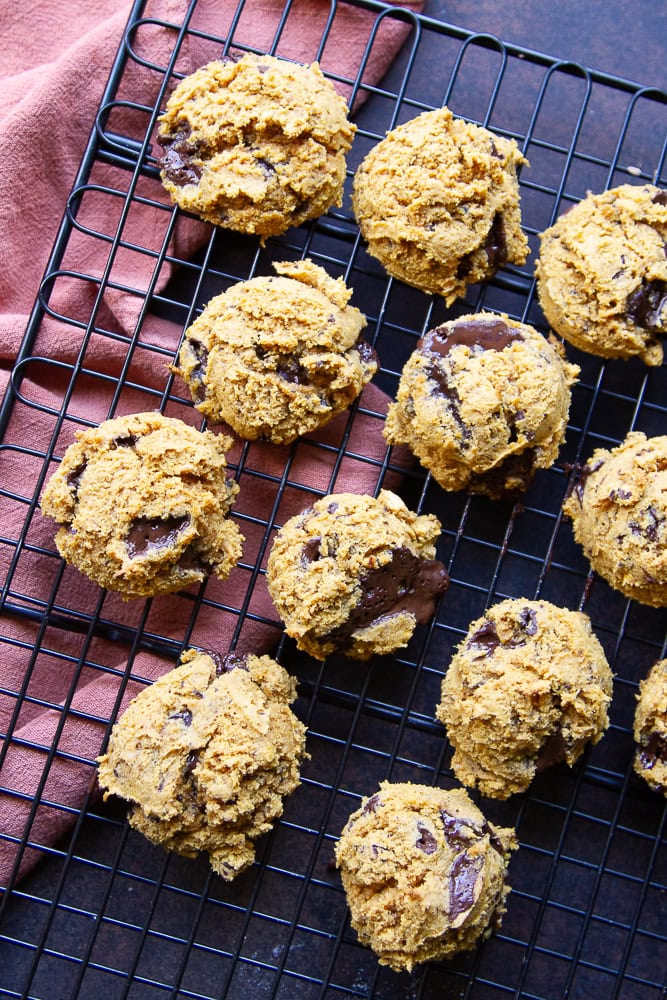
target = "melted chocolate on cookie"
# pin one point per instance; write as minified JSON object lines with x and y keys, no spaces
{"x":655,"y":751}
{"x":519,"y":467}
{"x":491,"y":334}
{"x":405,"y":583}
{"x":225,"y":664}
{"x":647,"y":306}
{"x":147,"y":534}
{"x":462,"y":881}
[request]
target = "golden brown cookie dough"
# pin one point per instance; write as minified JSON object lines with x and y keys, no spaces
{"x":437,"y":201}
{"x":619,"y":516}
{"x":142,"y":502}
{"x":528,"y":687}
{"x":355,"y":574}
{"x":423,"y":872}
{"x":276,"y":357}
{"x":650,"y":729}
{"x":206,"y":754}
{"x":255,"y":144}
{"x":483,"y":403}
{"x":602,"y":273}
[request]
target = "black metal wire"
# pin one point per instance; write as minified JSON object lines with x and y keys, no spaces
{"x":104,"y":912}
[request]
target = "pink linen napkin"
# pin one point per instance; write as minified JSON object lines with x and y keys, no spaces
{"x":71,"y":684}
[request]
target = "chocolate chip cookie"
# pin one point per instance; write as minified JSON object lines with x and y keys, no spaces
{"x":483,"y":403}
{"x":355,"y":574}
{"x":255,"y":144}
{"x":142,"y":502}
{"x":276,"y":357}
{"x":602,"y":273}
{"x":619,"y":516}
{"x":205,"y":756}
{"x":423,"y":872}
{"x":528,"y":687}
{"x":437,"y":201}
{"x":650,"y":729}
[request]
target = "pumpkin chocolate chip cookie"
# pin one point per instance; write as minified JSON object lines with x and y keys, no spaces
{"x":277,"y":357}
{"x":528,"y":687}
{"x":142,"y":502}
{"x":602,"y":273}
{"x":255,"y":144}
{"x":650,"y":728}
{"x":483,"y":403}
{"x":437,"y":201}
{"x":206,"y":754}
{"x":618,"y":510}
{"x":355,"y":574}
{"x":424,"y":873}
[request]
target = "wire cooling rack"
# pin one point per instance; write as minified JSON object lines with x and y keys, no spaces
{"x":104,"y":913}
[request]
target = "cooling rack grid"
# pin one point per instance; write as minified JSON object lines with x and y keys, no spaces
{"x":104,"y":913}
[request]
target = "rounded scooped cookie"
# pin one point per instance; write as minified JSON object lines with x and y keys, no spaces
{"x":650,"y":728}
{"x":206,"y":754}
{"x":255,"y":144}
{"x":277,"y":357}
{"x":437,"y":201}
{"x":619,"y":516}
{"x":355,"y":574}
{"x":528,"y":687}
{"x":423,"y":872}
{"x":483,"y":402}
{"x":142,"y":501}
{"x":602,"y":273}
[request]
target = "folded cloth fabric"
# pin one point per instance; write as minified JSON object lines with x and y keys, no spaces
{"x":99,"y":351}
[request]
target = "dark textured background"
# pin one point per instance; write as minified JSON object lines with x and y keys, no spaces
{"x":627,"y":39}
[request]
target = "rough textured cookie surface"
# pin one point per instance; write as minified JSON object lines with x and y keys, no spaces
{"x":423,"y":872}
{"x":602,"y":273}
{"x":355,"y":574}
{"x":528,"y":687}
{"x":483,"y":402}
{"x":255,"y":144}
{"x":206,"y":754}
{"x":650,"y":728}
{"x":619,"y":516}
{"x":276,"y":357}
{"x":142,"y":502}
{"x":438,"y":203}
